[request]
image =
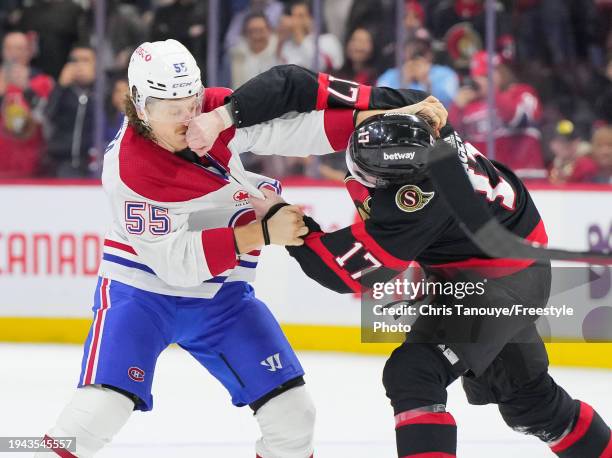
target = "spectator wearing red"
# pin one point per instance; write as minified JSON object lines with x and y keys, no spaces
{"x":23,"y":94}
{"x":448,"y":13}
{"x":596,"y":167}
{"x":359,"y":60}
{"x":516,"y":122}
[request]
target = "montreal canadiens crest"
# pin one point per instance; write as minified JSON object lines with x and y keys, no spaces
{"x":411,"y":198}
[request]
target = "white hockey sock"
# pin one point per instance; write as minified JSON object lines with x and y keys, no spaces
{"x":94,"y":415}
{"x":287,"y":425}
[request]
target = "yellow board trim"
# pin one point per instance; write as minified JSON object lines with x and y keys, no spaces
{"x":302,"y":337}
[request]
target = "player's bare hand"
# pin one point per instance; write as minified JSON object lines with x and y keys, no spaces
{"x":287,"y":226}
{"x":203,"y":131}
{"x":261,"y":206}
{"x":431,"y":109}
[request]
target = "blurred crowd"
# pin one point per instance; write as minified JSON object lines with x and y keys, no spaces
{"x":552,"y":73}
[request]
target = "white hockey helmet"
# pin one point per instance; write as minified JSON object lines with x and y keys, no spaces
{"x":164,"y":70}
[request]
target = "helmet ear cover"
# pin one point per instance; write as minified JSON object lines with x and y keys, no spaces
{"x":390,"y":149}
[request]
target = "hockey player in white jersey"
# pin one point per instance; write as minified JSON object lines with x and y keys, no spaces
{"x":178,"y":258}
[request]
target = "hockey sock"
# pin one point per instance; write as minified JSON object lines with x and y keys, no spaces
{"x":423,"y":434}
{"x":287,"y":425}
{"x":93,"y":416}
{"x":589,"y":436}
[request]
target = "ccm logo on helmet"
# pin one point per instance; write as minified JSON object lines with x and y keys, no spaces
{"x":136,"y":374}
{"x":174,"y":86}
{"x":142,"y":53}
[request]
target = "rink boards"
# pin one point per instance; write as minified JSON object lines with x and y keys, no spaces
{"x":51,"y":234}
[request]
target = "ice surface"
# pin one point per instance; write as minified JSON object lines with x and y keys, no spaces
{"x":193,"y":416}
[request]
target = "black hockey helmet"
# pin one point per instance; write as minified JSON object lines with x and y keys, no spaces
{"x":389,"y":149}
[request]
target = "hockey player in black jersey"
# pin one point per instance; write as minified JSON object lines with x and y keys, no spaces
{"x":404,"y":220}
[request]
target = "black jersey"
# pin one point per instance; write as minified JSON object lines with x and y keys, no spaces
{"x":401,"y":224}
{"x":412,"y":222}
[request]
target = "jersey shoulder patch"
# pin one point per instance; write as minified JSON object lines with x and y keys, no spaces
{"x":410,"y":198}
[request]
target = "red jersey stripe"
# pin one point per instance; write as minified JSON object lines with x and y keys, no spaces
{"x":363,"y":99}
{"x":119,"y":246}
{"x":219,"y":249}
{"x":360,"y":233}
{"x":313,"y":241}
{"x":338,"y":126}
{"x":322,"y":91}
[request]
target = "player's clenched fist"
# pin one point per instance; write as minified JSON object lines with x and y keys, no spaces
{"x":287,"y":226}
{"x":431,"y":109}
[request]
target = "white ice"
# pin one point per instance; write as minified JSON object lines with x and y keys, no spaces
{"x":193,"y":416}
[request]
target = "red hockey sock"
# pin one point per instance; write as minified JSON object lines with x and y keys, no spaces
{"x":589,"y":437}
{"x":425,"y":434}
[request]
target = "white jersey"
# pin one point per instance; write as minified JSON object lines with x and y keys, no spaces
{"x":173,"y":220}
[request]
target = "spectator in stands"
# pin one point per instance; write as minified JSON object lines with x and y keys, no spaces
{"x":378,"y":16}
{"x":58,"y":24}
{"x":273,"y":9}
{"x":547,"y":31}
{"x":125,"y":30}
{"x":185,"y":21}
{"x":565,"y":147}
{"x":414,"y":18}
{"x":335,"y":13}
{"x":297,"y":44}
{"x":448,"y":13}
{"x":603,"y":101}
{"x":70,"y":116}
{"x":596,"y":167}
{"x":116,"y":109}
{"x":256,"y":52}
{"x":359,"y":60}
{"x":23,"y":92}
{"x":9,"y":11}
{"x":516,"y":122}
{"x":419,"y":72}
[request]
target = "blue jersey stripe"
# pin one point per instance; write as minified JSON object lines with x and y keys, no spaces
{"x":137,"y":265}
{"x":216,"y":280}
{"x":248,"y":264}
{"x":127,"y":262}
